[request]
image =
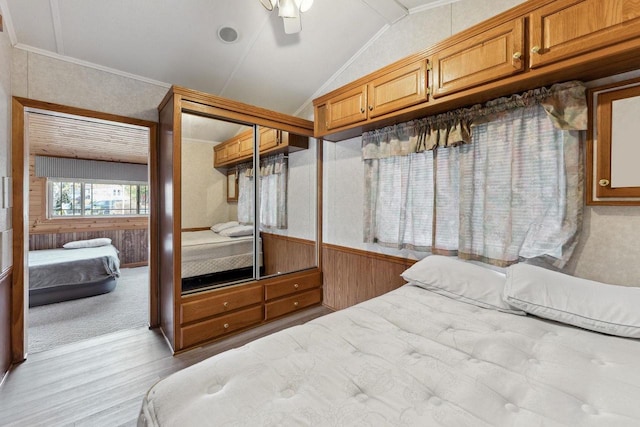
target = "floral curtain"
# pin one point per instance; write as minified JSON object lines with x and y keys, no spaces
{"x":504,"y":180}
{"x":246,"y":194}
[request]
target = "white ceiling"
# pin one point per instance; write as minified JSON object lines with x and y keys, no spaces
{"x":175,"y":42}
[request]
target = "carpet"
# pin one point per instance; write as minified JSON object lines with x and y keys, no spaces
{"x":126,"y":307}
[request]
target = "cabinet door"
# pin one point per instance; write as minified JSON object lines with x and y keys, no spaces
{"x":568,"y":28}
{"x":233,"y":149}
{"x":492,"y":55}
{"x":398,"y":89}
{"x":269,"y":138}
{"x":219,"y":155}
{"x":347,"y":108}
{"x":246,"y":145}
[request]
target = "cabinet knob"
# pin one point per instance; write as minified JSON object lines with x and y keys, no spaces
{"x":603,"y":182}
{"x":362,"y":109}
{"x":226,"y":326}
{"x":370,"y":107}
{"x":226,"y":304}
{"x":517,"y":55}
{"x":535,"y":49}
{"x":296,"y":286}
{"x":295,"y":304}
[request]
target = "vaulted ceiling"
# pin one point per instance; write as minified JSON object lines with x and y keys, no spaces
{"x":175,"y":41}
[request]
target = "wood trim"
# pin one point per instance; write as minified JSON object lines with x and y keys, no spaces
{"x":252,"y":113}
{"x":20,"y":173}
{"x":195,"y":229}
{"x":135,"y":264}
{"x":153,"y":224}
{"x":1,"y":30}
{"x":590,"y":155}
{"x":373,"y":255}
{"x":351,"y":276}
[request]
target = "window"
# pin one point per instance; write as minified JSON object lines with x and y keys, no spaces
{"x":96,"y":198}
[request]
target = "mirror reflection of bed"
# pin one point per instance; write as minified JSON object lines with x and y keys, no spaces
{"x":218,"y":203}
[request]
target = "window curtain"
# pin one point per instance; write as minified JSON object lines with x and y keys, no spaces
{"x":245,"y":194}
{"x":272,"y":188}
{"x":273,"y":191}
{"x":504,"y":179}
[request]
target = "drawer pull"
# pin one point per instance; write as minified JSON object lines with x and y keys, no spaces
{"x":517,"y":55}
{"x":535,"y":49}
{"x":226,"y":326}
{"x":362,"y":109}
{"x":226,"y":304}
{"x":603,"y":182}
{"x":370,"y":107}
{"x":296,"y":286}
{"x":295,"y":304}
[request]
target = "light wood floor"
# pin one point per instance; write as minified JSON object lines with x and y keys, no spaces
{"x":101,"y":381}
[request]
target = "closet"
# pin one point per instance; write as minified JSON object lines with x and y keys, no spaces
{"x":223,"y":161}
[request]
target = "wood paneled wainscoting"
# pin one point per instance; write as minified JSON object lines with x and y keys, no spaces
{"x":351,"y":276}
{"x":133,"y":244}
{"x":285,"y":254}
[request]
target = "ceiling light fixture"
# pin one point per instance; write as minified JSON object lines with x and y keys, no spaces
{"x":289,"y":11}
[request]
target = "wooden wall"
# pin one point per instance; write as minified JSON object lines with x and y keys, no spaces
{"x":132,"y":244}
{"x":286,"y":254}
{"x":5,"y":321}
{"x":351,"y":276}
{"x":128,"y":234}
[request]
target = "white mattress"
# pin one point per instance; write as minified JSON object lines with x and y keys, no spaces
{"x":410,"y":358}
{"x":205,"y":252}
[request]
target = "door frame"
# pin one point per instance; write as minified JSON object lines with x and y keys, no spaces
{"x":20,"y":193}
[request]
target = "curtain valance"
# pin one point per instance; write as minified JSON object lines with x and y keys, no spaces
{"x":564,"y":103}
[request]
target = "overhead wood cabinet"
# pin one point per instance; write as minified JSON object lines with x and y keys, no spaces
{"x":492,"y":55}
{"x":568,"y":28}
{"x":239,"y":149}
{"x":537,"y":43}
{"x":389,"y":91}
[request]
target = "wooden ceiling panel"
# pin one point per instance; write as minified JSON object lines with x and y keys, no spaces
{"x":82,"y":138}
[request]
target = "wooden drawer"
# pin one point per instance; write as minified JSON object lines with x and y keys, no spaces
{"x":219,"y":326}
{"x":292,"y":303}
{"x":221,"y":301}
{"x":492,"y":55}
{"x":290,"y":286}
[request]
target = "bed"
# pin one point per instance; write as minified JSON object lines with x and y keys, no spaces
{"x":57,"y":275}
{"x":208,"y":257}
{"x":412,"y":357}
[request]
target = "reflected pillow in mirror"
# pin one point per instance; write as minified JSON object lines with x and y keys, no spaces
{"x":91,"y":243}
{"x":238,"y":231}
{"x":223,"y":226}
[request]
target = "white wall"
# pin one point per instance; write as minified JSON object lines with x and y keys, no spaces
{"x":48,"y":79}
{"x":608,"y":249}
{"x":301,"y":194}
{"x":5,"y":148}
{"x":204,"y":188}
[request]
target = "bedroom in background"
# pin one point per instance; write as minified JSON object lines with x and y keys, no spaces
{"x":88,"y":230}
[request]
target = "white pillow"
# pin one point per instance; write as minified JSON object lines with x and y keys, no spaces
{"x":91,"y":243}
{"x":238,"y":231}
{"x":610,"y":309}
{"x":223,"y":226}
{"x":460,"y":280}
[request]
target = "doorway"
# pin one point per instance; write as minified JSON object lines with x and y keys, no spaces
{"x":34,"y":223}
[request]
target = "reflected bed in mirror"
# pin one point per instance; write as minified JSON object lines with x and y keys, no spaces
{"x":216,"y":249}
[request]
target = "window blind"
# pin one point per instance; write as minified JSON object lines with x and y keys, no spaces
{"x":60,"y":167}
